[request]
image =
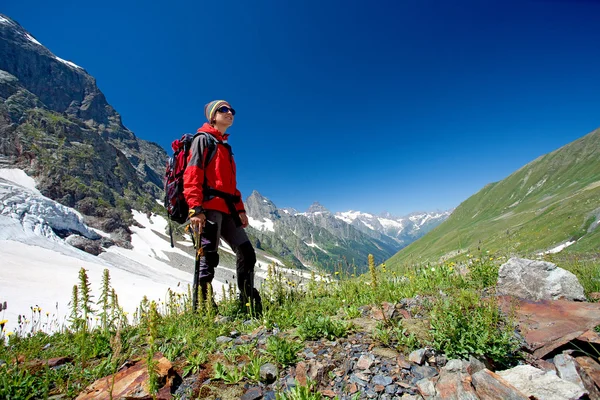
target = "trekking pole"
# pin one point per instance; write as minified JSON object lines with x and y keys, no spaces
{"x":198,"y":247}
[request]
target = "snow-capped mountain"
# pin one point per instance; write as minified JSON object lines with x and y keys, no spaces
{"x":319,"y":238}
{"x":404,"y":229}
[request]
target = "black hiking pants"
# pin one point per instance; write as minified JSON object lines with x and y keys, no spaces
{"x":220,"y":225}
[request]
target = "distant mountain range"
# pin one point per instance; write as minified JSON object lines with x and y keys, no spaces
{"x":320,"y":238}
{"x":551,"y":204}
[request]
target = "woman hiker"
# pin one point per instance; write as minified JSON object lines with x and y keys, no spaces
{"x":216,"y":206}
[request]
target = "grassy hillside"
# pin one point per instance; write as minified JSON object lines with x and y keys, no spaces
{"x":552,"y":200}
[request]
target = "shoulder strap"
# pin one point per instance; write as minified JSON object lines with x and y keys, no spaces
{"x":211,"y":146}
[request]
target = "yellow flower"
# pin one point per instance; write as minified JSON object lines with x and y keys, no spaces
{"x":9,"y":333}
{"x":247,"y":304}
{"x":352,"y":275}
{"x":491,"y":258}
{"x":4,"y":321}
{"x":337,"y":272}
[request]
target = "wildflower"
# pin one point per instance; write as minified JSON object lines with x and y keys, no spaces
{"x":47,"y":313}
{"x":491,"y":258}
{"x":432,"y":269}
{"x":337,"y":272}
{"x":9,"y":333}
{"x":248,"y":304}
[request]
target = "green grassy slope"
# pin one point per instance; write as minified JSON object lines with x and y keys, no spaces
{"x":553,"y":199}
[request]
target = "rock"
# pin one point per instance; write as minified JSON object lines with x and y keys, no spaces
{"x":253,"y":393}
{"x":391,"y":389}
{"x":132,"y":382}
{"x":328,"y":393}
{"x":474,"y":365}
{"x":385,"y":352}
{"x":589,"y":370}
{"x":269,"y":395}
{"x":541,"y":384}
{"x":418,"y":356}
{"x":454,"y":366}
{"x":364,"y":362}
{"x":223,"y":339}
{"x":489,"y":385}
{"x":567,"y":370}
{"x":93,"y":247}
{"x":538,"y":280}
{"x":381,"y":380}
{"x":402,"y":363}
{"x":268,"y":373}
{"x":426,"y":388}
{"x":423,"y":371}
{"x":454,"y":384}
{"x":352,"y":388}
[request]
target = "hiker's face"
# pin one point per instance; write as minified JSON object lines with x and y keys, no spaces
{"x":224,"y":117}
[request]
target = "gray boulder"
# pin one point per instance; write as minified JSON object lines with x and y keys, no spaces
{"x":538,"y":280}
{"x":539,"y":384}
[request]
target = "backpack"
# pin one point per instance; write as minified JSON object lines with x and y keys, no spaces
{"x":177,"y":207}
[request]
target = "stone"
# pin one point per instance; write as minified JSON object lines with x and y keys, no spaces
{"x":567,"y":369}
{"x":269,"y":395}
{"x":268,"y":373}
{"x":391,"y":389}
{"x":379,"y":388}
{"x":423,"y":371}
{"x":591,"y":367}
{"x":474,"y":365}
{"x":426,"y":388}
{"x":364,"y":362}
{"x":454,"y":366}
{"x":131,"y":382}
{"x":489,"y":385}
{"x":223,"y":339}
{"x":402,"y":363}
{"x":381,"y":380}
{"x":352,"y":388}
{"x":253,"y":393}
{"x":328,"y":393}
{"x":454,"y":384}
{"x":385,"y":352}
{"x":541,"y":384}
{"x":538,"y":280}
{"x":417,"y":356}
{"x":357,"y":380}
{"x":589,"y":370}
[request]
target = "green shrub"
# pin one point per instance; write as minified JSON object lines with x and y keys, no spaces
{"x":283,"y":350}
{"x":317,"y":326}
{"x":466,"y":324}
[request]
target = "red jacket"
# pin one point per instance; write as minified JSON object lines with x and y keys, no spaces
{"x":219,"y":174}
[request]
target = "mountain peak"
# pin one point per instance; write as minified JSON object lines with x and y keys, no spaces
{"x":317,"y":207}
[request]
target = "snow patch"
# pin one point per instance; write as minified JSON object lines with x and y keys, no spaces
{"x":267,"y":225}
{"x":367,"y":225}
{"x":558,"y":248}
{"x":313,"y":244}
{"x":69,"y":63}
{"x":49,"y":277}
{"x":536,"y":186}
{"x":343,"y":218}
{"x":32,"y":39}
{"x":147,"y":242}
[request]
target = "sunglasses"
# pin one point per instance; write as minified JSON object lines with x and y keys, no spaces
{"x":225,"y":110}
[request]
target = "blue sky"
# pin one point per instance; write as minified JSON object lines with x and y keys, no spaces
{"x":391,"y":105}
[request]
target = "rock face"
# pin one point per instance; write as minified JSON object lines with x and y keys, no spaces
{"x":538,"y":280}
{"x":56,"y":124}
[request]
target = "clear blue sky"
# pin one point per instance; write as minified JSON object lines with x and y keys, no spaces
{"x":368,"y":105}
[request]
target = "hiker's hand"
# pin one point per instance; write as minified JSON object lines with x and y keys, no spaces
{"x":244,"y":219}
{"x":197,"y":221}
